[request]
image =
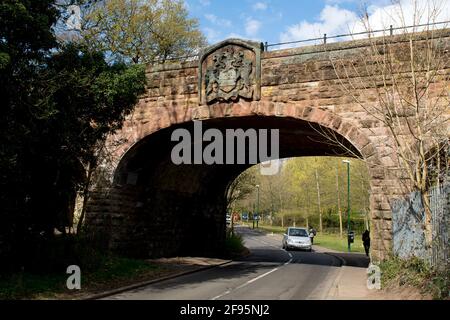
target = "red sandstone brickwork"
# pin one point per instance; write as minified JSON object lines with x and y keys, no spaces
{"x":296,"y":83}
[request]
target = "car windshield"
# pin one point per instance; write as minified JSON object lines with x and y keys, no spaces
{"x":298,"y":232}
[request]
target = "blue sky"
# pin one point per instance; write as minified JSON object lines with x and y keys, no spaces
{"x":288,"y":20}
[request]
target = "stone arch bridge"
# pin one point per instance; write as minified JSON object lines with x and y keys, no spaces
{"x":156,"y":208}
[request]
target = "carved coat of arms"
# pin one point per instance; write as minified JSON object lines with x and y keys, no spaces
{"x":229,"y":73}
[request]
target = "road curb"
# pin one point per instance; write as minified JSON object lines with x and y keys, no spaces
{"x":344,"y":263}
{"x":148,"y":282}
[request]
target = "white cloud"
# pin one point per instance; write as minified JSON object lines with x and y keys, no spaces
{"x":218,"y":21}
{"x":260,"y":6}
{"x":332,"y":20}
{"x":407,"y":13}
{"x":205,"y":3}
{"x":335,"y":20}
{"x":252,"y":27}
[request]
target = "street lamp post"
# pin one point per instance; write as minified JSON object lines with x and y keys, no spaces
{"x":257,"y":205}
{"x":348,"y":202}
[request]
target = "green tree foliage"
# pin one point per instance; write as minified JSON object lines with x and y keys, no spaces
{"x":58,"y":104}
{"x":142,"y":31}
{"x":25,"y":30}
{"x":292,"y":194}
{"x":303,"y":183}
{"x":241,"y":188}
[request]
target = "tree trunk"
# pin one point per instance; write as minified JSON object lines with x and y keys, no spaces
{"x":318,"y":201}
{"x":366,"y":208}
{"x":232,"y":221}
{"x":271,"y":216}
{"x":85,"y":197}
{"x":366,"y":219}
{"x":428,"y":219}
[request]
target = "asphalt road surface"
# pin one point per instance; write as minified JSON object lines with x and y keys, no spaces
{"x":269,"y":272}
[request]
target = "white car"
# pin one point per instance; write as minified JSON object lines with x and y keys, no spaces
{"x":296,"y":238}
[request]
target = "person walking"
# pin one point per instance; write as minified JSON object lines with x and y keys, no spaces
{"x":366,"y":241}
{"x":312,"y":234}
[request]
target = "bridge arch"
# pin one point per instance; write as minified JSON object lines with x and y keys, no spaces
{"x":296,"y":90}
{"x":156,"y":208}
{"x":163,"y":118}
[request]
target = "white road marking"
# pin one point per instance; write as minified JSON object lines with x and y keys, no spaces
{"x":221,"y":295}
{"x":290,"y":254}
{"x":258,"y":277}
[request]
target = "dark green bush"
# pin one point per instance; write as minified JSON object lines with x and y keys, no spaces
{"x":234,"y":245}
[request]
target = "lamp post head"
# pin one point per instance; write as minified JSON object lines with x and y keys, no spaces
{"x":257,"y":186}
{"x":346,"y":161}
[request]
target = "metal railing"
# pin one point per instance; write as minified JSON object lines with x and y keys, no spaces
{"x":325,"y":37}
{"x":172,"y":59}
{"x":324,"y":40}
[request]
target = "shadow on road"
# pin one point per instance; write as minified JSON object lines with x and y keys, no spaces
{"x":222,"y":273}
{"x":353,"y":259}
{"x":298,"y":257}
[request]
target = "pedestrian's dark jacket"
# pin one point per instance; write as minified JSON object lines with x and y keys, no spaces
{"x":366,"y":237}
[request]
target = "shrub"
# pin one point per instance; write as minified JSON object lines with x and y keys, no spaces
{"x":234,"y":245}
{"x":417,"y":273}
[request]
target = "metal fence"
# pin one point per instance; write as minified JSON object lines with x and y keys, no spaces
{"x":440,"y":208}
{"x":322,"y":40}
{"x":408,"y":217}
{"x":369,"y":33}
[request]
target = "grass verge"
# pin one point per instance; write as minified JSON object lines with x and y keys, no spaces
{"x":334,"y":242}
{"x":113,"y":272}
{"x":414,"y":272}
{"x":267,"y":228}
